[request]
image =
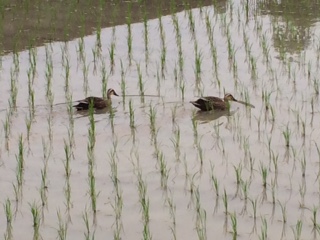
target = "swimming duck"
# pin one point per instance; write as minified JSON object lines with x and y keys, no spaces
{"x":214,"y":103}
{"x":97,"y":102}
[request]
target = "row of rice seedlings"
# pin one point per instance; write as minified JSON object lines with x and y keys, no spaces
{"x":129,"y":36}
{"x":44,"y":185}
{"x":85,"y":72}
{"x":163,"y":54}
{"x":117,"y":205}
{"x":178,"y":37}
{"x":201,"y":216}
{"x":20,"y":167}
{"x":112,"y":54}
{"x":197,"y":64}
{"x":62,"y":226}
{"x":123,"y":85}
{"x":68,"y":95}
{"x":31,"y":76}
{"x":210,"y":27}
{"x":140,"y":84}
{"x":88,"y":234}
{"x":67,"y":171}
{"x":7,"y":126}
{"x":104,"y":79}
{"x":91,"y":160}
{"x":145,"y":204}
{"x":176,"y":142}
{"x":172,"y":211}
{"x":152,"y":125}
{"x":145,"y":33}
{"x":49,"y":75}
{"x":8,"y":235}
{"x":36,"y":220}
{"x":191,"y":21}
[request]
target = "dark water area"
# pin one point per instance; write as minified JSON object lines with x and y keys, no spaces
{"x":31,"y":23}
{"x":291,"y":22}
{"x":26,"y":24}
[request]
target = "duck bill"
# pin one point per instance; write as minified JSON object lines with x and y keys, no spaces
{"x":245,"y":103}
{"x":114,"y":93}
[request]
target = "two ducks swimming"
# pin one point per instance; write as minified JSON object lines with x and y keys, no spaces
{"x":204,"y":103}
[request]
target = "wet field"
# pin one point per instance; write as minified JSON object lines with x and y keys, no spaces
{"x":153,"y":166}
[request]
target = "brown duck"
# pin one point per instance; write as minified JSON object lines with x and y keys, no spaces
{"x":215,"y":103}
{"x":97,"y":103}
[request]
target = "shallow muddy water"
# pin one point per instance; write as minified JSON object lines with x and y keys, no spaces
{"x":155,"y":167}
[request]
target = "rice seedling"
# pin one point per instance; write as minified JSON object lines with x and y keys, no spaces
{"x":176,"y":25}
{"x":131,"y":114}
{"x":254,"y":209}
{"x":50,"y":130}
{"x":182,"y":90}
{"x":287,"y":135}
{"x":215,"y":182}
{"x":302,"y":192}
{"x":245,"y":186}
{"x":104,"y":79}
{"x":8,"y":212}
{"x":129,"y":35}
{"x":31,"y":104}
{"x":8,"y":235}
{"x":92,"y":190}
{"x":172,"y":210}
{"x":85,"y":219}
{"x":85,"y":72}
{"x":283,"y":211}
{"x":264,"y":175}
{"x":198,"y":61}
{"x":176,"y":142}
{"x":145,"y":206}
{"x":111,"y":57}
{"x":44,"y":186}
{"x":238,"y":171}
{"x":164,"y":171}
{"x":314,"y":217}
{"x":201,"y":225}
{"x":123,"y":85}
{"x":191,"y":23}
{"x":264,"y":229}
{"x":234,"y":231}
{"x":63,"y":227}
{"x":117,"y":206}
{"x":140,"y":84}
{"x":7,"y":127}
{"x":36,"y":217}
{"x":81,"y":49}
{"x":28,"y":126}
{"x":225,"y":202}
{"x":13,"y":91}
{"x":20,"y":163}
{"x":114,"y":166}
{"x":297,"y":230}
{"x":67,"y":168}
{"x":91,"y":160}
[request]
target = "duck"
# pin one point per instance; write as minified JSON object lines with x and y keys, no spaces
{"x":215,"y":103}
{"x":97,"y":102}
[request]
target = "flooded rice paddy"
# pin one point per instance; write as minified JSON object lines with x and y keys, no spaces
{"x":153,"y":167}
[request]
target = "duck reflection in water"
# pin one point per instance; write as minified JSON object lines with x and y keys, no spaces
{"x":205,"y":117}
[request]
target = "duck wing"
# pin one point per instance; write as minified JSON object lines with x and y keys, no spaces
{"x":92,"y":99}
{"x":209,"y":103}
{"x":84,"y":104}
